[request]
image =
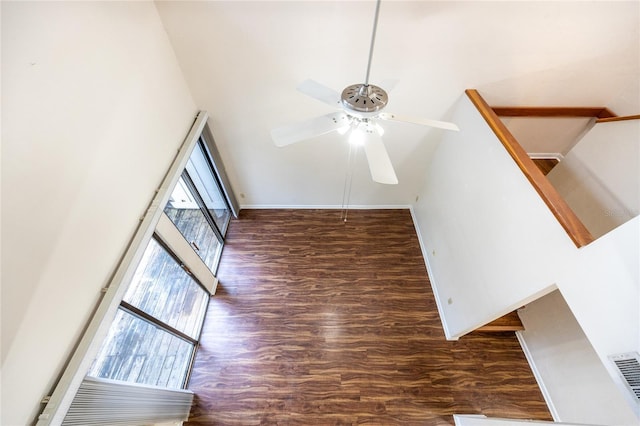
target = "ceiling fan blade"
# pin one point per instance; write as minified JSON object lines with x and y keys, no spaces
{"x":379,"y":163}
{"x":416,"y":120}
{"x":311,"y":128}
{"x":320,"y":92}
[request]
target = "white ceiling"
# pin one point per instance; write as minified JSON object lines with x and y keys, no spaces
{"x":243,"y":60}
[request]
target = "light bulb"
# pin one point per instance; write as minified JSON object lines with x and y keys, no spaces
{"x":356,"y":137}
{"x":343,"y":130}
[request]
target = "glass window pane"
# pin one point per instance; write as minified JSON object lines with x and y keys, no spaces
{"x":162,"y":289}
{"x":185,"y":213}
{"x":205,"y":182}
{"x":138,"y":351}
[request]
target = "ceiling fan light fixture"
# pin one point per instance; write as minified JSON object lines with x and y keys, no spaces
{"x":361,"y":128}
{"x":361,"y":108}
{"x":364,"y":98}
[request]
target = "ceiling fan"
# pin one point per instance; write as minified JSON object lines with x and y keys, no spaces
{"x":360,"y":107}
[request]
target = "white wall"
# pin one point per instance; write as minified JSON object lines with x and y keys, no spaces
{"x":547,"y":137}
{"x":94,"y":106}
{"x":577,"y":386}
{"x":602,"y":290}
{"x":492,"y":245}
{"x":598,"y":178}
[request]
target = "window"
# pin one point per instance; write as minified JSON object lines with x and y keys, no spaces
{"x":153,"y":337}
{"x":185,"y":212}
{"x":200,"y":171}
{"x":199,"y":209}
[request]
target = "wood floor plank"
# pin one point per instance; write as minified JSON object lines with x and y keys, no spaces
{"x":321,"y":322}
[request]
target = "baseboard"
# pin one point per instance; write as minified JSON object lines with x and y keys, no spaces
{"x":434,"y":288}
{"x":538,"y":376}
{"x":324,"y":207}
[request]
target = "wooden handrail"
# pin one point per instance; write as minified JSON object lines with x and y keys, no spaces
{"x":621,"y":118}
{"x":511,"y":111}
{"x":574,"y":227}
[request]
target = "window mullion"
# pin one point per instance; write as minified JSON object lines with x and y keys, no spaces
{"x":155,"y":321}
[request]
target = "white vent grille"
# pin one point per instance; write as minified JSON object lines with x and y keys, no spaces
{"x":629,"y":366}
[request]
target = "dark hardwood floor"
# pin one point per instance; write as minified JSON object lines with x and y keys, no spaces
{"x":320,"y":322}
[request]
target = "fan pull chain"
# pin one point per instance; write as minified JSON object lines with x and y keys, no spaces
{"x":348,"y":180}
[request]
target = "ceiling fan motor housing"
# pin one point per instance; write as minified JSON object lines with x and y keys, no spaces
{"x":364,"y":98}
